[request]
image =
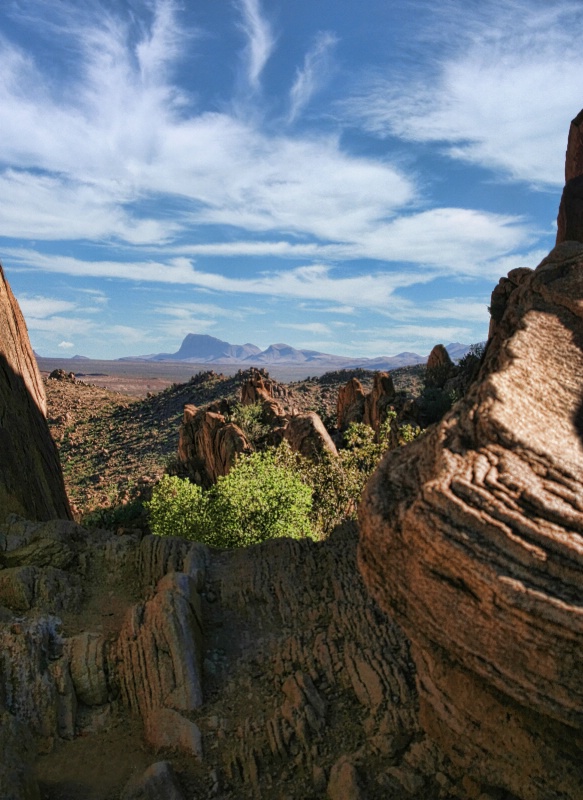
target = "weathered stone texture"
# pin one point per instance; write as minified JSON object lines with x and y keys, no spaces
{"x":350,"y":404}
{"x":307,"y":435}
{"x":473,"y":538}
{"x":378,"y":401}
{"x":208,"y":445}
{"x":31,"y":481}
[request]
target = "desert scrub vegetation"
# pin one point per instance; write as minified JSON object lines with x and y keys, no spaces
{"x":258,"y":500}
{"x":275,"y":492}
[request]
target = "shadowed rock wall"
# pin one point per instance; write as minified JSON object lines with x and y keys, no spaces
{"x":31,"y":481}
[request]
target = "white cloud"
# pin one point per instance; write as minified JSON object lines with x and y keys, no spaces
{"x":260,"y":39}
{"x":39,"y":307}
{"x":502,"y":98}
{"x":317,"y":328}
{"x":65,"y":345}
{"x":313,"y":74}
{"x":179,"y":271}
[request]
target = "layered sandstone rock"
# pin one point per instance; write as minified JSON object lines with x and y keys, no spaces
{"x":208,"y":445}
{"x":472,"y":537}
{"x":269,"y":394}
{"x":31,"y":481}
{"x":356,"y":406}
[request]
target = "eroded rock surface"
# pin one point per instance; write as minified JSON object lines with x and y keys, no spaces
{"x":350,"y":404}
{"x":307,"y":435}
{"x":356,"y":406}
{"x":208,"y":445}
{"x":473,"y":538}
{"x":251,"y":670}
{"x":31,"y":481}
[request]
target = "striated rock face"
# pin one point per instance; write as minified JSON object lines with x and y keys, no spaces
{"x":472,"y":537}
{"x":308,"y":436}
{"x":570,"y":219}
{"x":31,"y":481}
{"x":350,"y":404}
{"x":208,"y":445}
{"x":377,"y":402}
{"x":356,"y":406}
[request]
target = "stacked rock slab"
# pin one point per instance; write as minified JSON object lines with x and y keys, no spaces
{"x":472,"y":537}
{"x":31,"y":481}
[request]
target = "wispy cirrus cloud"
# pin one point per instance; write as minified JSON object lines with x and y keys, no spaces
{"x":313,"y":73}
{"x":260,"y":39}
{"x":501,"y":97}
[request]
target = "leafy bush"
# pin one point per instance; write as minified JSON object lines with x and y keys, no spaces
{"x":178,"y":508}
{"x":257,"y":500}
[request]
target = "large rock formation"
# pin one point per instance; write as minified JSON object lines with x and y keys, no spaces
{"x":31,"y":481}
{"x":307,"y":435}
{"x":440,"y":367}
{"x":350,"y":404}
{"x":356,"y":406}
{"x":378,"y":401}
{"x":570,"y":219}
{"x":208,"y":445}
{"x":472,"y":537}
{"x":299,"y":681}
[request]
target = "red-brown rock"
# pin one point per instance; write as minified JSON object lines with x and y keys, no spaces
{"x":350,"y":403}
{"x":308,"y":436}
{"x":208,"y":445}
{"x":31,"y":480}
{"x":377,"y":402}
{"x":440,"y":367}
{"x":472,"y":537}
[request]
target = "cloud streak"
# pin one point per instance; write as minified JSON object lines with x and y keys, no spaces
{"x":313,"y":73}
{"x":260,"y":42}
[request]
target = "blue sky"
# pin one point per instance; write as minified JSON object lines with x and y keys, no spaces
{"x":342,"y":176}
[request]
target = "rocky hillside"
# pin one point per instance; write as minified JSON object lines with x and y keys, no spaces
{"x":112,"y":446}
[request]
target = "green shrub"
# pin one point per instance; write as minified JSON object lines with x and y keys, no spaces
{"x":257,"y":500}
{"x":250,"y":419}
{"x":178,"y":508}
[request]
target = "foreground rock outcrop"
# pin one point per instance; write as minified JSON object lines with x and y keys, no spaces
{"x":31,"y":482}
{"x":472,"y":537}
{"x":247,"y":670}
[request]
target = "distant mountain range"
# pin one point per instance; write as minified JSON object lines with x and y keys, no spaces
{"x":203,"y":349}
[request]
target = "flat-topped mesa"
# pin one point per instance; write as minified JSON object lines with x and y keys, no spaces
{"x":31,"y":480}
{"x":472,"y":538}
{"x":570,"y":218}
